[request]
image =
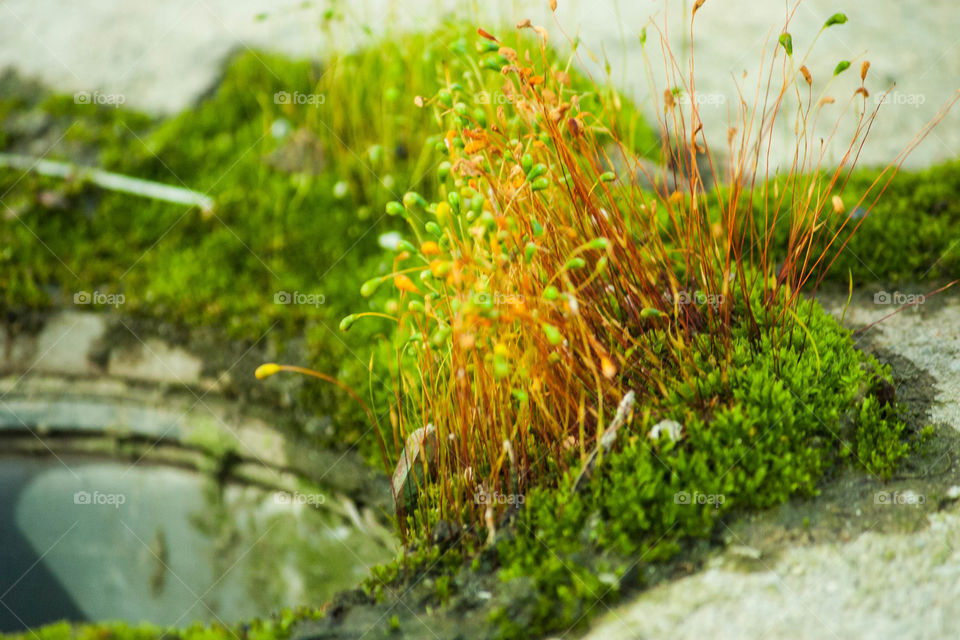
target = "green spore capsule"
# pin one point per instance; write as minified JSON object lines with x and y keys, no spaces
{"x":347,"y":322}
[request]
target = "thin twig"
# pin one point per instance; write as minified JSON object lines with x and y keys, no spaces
{"x":108,"y":180}
{"x":607,"y":439}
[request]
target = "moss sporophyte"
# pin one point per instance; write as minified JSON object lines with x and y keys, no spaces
{"x":542,"y":286}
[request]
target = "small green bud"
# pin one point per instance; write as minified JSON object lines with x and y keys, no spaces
{"x":553,"y":334}
{"x":536,"y":171}
{"x":539,"y":184}
{"x":370,"y":286}
{"x":476,"y":203}
{"x":454,"y":199}
{"x":443,"y":171}
{"x":837,"y":18}
{"x":526,"y":162}
{"x":480,"y":116}
{"x":347,"y":322}
{"x":529,"y":250}
{"x":786,"y":41}
{"x":412,"y":199}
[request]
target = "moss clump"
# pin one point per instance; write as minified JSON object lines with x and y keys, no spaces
{"x":535,"y":293}
{"x":786,"y":415}
{"x":789,"y":414}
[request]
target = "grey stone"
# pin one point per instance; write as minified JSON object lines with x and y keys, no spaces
{"x":66,"y":342}
{"x":882,"y":586}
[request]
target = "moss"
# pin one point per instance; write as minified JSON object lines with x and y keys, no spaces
{"x":787,"y":415}
{"x":275,"y":628}
{"x":908,"y":236}
{"x":300,"y":158}
{"x":911,"y":233}
{"x":773,"y":435}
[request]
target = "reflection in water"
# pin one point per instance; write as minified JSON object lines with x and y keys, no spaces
{"x":30,"y":595}
{"x":83,"y":539}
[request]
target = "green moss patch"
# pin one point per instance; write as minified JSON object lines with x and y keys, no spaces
{"x":276,"y":628}
{"x":788,"y":414}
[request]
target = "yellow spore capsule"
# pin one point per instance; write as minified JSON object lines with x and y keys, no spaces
{"x":443,"y":212}
{"x":430,"y":248}
{"x":266,"y":370}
